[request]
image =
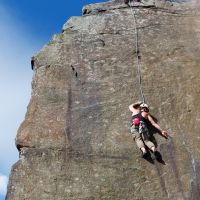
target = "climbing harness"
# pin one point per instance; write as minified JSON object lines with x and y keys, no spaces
{"x":137,"y":51}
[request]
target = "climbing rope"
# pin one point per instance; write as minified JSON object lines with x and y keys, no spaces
{"x":137,"y":51}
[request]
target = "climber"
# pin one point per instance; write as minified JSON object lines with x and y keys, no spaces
{"x":141,"y":119}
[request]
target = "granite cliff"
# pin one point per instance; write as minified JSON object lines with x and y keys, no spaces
{"x":75,"y":143}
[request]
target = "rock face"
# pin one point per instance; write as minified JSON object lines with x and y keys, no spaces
{"x":75,"y":143}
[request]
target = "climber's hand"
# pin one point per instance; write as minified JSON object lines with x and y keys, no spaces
{"x":165,"y":134}
{"x":139,"y":102}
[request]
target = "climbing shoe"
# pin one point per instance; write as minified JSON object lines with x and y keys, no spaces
{"x":157,"y":155}
{"x":144,"y":155}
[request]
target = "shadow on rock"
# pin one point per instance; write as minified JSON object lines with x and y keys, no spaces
{"x":158,"y":157}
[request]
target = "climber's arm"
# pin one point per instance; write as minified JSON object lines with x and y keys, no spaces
{"x":164,"y":133}
{"x":134,"y":107}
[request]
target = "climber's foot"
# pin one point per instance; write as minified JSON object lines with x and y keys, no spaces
{"x":157,"y":155}
{"x":144,"y":155}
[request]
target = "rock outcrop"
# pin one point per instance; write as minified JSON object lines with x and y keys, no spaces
{"x":75,"y":143}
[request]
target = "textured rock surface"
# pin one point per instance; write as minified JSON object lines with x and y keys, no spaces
{"x":75,"y":143}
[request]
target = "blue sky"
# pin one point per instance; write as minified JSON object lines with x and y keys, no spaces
{"x":25,"y":26}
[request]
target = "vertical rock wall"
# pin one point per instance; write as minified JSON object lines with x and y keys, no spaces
{"x":75,"y":143}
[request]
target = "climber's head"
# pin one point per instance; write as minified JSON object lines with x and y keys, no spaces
{"x":144,"y":107}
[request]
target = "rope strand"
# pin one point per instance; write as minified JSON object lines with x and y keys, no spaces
{"x":137,"y":51}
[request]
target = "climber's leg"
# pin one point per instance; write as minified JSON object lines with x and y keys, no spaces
{"x":139,"y":141}
{"x":140,"y":144}
{"x":150,"y":145}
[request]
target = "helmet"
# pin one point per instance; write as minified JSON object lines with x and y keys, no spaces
{"x":144,"y":105}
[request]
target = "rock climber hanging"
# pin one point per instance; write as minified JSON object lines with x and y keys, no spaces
{"x":140,"y":123}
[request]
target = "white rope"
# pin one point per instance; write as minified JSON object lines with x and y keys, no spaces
{"x":137,"y":51}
